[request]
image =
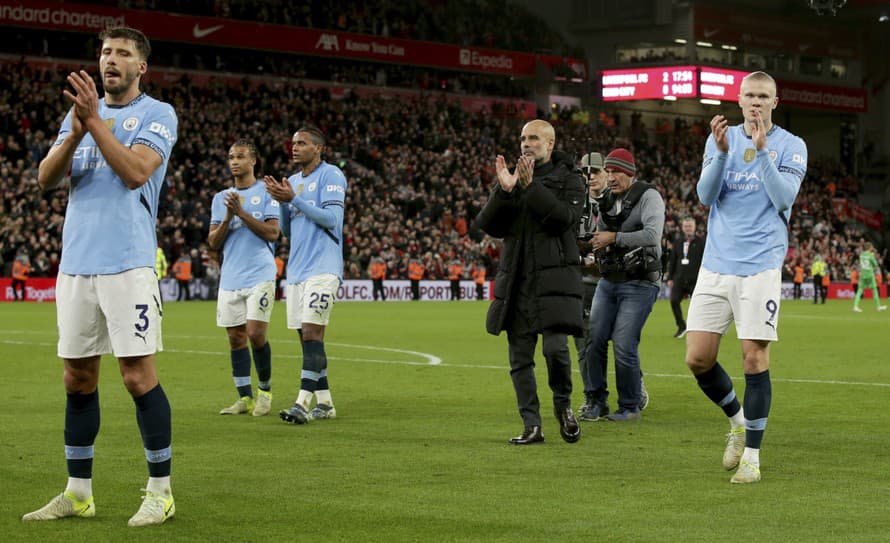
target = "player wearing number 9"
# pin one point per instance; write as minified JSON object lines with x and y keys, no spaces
{"x":750,"y":178}
{"x":312,"y":218}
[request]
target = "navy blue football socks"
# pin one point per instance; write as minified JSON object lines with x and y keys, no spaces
{"x":241,"y":371}
{"x":717,"y":386}
{"x":314,"y":361}
{"x":758,"y":396}
{"x":81,"y":429}
{"x":153,"y":416}
{"x":262,"y":359}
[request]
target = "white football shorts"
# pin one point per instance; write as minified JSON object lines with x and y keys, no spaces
{"x":236,"y":307}
{"x":751,"y":301}
{"x":102,"y":314}
{"x":312,"y":300}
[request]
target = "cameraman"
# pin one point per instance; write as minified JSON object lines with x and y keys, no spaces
{"x":592,"y":166}
{"x":627,"y":244}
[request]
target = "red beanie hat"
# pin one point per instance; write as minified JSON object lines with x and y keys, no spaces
{"x":622,"y":161}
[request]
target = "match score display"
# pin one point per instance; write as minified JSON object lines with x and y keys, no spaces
{"x":650,"y":83}
{"x":720,"y":84}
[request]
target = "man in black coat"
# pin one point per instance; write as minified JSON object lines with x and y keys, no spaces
{"x":682,"y":271}
{"x":536,"y":210}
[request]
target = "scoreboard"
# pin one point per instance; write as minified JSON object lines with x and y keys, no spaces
{"x":671,"y":82}
{"x":720,"y":84}
{"x":650,"y":83}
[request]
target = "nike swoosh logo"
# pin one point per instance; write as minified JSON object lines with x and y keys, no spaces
{"x":199,"y":32}
{"x":707,"y":33}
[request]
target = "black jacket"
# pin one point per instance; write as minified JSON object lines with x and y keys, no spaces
{"x":539,"y":225}
{"x":676,"y":270}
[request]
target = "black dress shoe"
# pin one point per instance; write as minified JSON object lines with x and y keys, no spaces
{"x":530,"y":436}
{"x":569,"y":428}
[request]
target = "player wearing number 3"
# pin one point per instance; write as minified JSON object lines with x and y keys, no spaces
{"x":312,"y":218}
{"x":114,"y":150}
{"x":750,"y":177}
{"x":243,"y":229}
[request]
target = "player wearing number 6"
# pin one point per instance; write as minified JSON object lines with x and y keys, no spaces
{"x":243,"y":228}
{"x":750,"y":177}
{"x":312,"y":218}
{"x":114,"y":150}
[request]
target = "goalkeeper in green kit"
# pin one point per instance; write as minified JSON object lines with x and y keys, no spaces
{"x":868,"y":266}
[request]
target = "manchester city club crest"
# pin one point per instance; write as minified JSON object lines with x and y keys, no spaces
{"x":749,"y":155}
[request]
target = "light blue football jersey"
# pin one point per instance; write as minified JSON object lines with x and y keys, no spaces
{"x":750,"y":193}
{"x":247,"y":259}
{"x":110,"y":228}
{"x":315,"y":249}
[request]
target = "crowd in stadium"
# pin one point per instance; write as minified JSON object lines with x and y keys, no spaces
{"x":464,"y":22}
{"x":419,"y":170}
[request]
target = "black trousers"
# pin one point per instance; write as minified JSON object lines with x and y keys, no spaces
{"x":455,"y":290}
{"x":480,"y":291}
{"x":522,"y":341}
{"x":819,"y":289}
{"x":183,"y":290}
{"x":415,"y":289}
{"x":16,"y":285}
{"x":378,"y":289}
{"x":682,"y":287}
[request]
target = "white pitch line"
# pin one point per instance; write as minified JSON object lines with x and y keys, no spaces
{"x":432,"y":360}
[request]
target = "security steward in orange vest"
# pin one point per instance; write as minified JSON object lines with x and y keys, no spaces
{"x":182,"y":270}
{"x":20,"y":270}
{"x":377,"y":271}
{"x":478,"y":273}
{"x":455,"y":271}
{"x":416,"y":269}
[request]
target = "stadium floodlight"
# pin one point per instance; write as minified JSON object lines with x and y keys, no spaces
{"x":710,"y":102}
{"x":681,"y":41}
{"x":704,"y":44}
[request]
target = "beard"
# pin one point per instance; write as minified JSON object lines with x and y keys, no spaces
{"x":121,"y":86}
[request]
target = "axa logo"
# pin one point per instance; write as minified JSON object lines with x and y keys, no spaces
{"x":328,"y":42}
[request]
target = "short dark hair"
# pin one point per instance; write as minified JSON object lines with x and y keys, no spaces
{"x":250,"y":147}
{"x":318,"y":136}
{"x":127,"y":33}
{"x":252,"y":151}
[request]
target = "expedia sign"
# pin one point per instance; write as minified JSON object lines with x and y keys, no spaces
{"x":475,"y":59}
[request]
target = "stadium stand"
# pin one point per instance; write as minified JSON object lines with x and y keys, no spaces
{"x":418,"y":169}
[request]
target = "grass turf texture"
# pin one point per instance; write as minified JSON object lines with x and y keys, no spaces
{"x":419,"y":452}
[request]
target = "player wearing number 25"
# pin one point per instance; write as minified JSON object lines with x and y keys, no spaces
{"x":243,"y":229}
{"x":312,"y":218}
{"x":750,"y":177}
{"x":116,"y":149}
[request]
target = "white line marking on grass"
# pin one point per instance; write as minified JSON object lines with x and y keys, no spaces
{"x":432,"y":360}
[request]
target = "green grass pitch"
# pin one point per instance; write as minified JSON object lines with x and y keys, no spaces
{"x":419,"y":453}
